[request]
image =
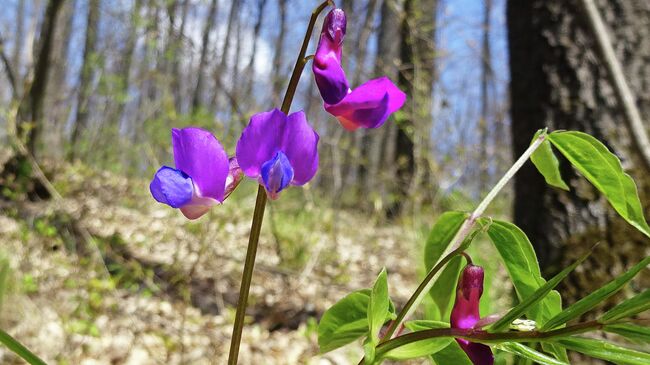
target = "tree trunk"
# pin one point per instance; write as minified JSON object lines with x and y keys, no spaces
{"x":486,"y":78}
{"x":416,"y":80}
{"x":277,"y":76}
{"x":30,"y":115}
{"x":233,"y":18}
{"x":382,"y":151}
{"x":558,"y":80}
{"x":85,"y":81}
{"x":203,"y":58}
{"x":250,"y":67}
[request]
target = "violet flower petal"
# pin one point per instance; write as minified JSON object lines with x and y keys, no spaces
{"x":200,"y":155}
{"x":300,"y":145}
{"x":172,"y":187}
{"x":369,"y":105}
{"x":276,"y":174}
{"x":465,"y":313}
{"x":260,"y":141}
{"x":328,"y":73}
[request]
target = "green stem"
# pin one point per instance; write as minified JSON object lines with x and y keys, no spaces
{"x":253,"y":239}
{"x":474,"y":335}
{"x":19,"y":349}
{"x":456,"y":245}
{"x":260,"y":203}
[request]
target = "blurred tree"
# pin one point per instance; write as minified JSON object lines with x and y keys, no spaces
{"x":558,"y":80}
{"x":486,"y":80}
{"x":87,"y":71}
{"x":277,"y":74}
{"x":205,"y":44}
{"x":30,"y":111}
{"x":416,"y":79}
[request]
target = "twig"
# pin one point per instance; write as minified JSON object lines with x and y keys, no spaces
{"x":623,"y":93}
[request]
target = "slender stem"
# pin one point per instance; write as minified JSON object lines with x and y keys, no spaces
{"x":253,"y":239}
{"x":474,"y":335}
{"x":260,"y":203}
{"x":19,"y":349}
{"x":456,"y":244}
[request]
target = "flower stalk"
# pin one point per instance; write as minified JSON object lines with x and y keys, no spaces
{"x":260,"y":203}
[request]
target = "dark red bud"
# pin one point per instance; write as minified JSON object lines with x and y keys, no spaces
{"x":471,"y":278}
{"x":335,"y":25}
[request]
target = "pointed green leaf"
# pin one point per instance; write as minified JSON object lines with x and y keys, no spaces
{"x":345,"y":321}
{"x":630,"y":331}
{"x":421,"y":348}
{"x":603,"y":169}
{"x":20,"y":350}
{"x":444,"y":289}
{"x":538,"y":295}
{"x":452,"y":354}
{"x":637,"y":304}
{"x":585,"y":304}
{"x":605,"y":350}
{"x":441,"y":235}
{"x":378,"y":306}
{"x":528,"y":353}
{"x":547,"y":164}
{"x":521,"y":264}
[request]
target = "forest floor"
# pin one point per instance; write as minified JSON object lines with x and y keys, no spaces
{"x":106,"y":275}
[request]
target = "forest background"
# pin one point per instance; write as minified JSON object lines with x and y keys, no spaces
{"x":92,"y":269}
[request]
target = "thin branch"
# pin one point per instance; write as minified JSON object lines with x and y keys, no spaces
{"x":10,"y":73}
{"x":623,"y":92}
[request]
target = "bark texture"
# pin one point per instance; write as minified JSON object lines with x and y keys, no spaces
{"x":558,"y":80}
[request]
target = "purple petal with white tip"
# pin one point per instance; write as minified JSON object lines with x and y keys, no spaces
{"x":200,"y":155}
{"x":369,"y":105}
{"x":260,"y":141}
{"x":172,"y":187}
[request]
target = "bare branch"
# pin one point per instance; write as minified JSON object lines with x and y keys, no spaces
{"x":10,"y":73}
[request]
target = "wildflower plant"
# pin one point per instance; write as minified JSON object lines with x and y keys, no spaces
{"x":279,"y":149}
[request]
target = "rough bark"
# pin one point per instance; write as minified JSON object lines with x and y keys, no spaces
{"x":558,"y":80}
{"x":86,"y":78}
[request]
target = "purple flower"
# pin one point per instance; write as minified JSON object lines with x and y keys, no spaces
{"x":465,"y":313}
{"x":367,"y":106}
{"x":278,"y":150}
{"x":203,"y":177}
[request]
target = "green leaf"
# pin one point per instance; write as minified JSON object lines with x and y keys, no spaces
{"x":345,"y":321}
{"x":443,"y":290}
{"x":452,"y":354}
{"x":605,"y":350}
{"x":637,"y":304}
{"x":421,"y":348}
{"x":521,"y":264}
{"x":547,"y":164}
{"x":537,"y":296}
{"x":440,"y":236}
{"x":378,"y":306}
{"x":20,"y":350}
{"x":528,"y":353}
{"x":630,"y":331}
{"x":603,"y":169}
{"x":585,"y":304}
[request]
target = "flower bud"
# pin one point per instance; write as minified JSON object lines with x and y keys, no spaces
{"x":335,"y":25}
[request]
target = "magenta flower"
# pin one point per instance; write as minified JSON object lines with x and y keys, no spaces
{"x":203,"y":177}
{"x":367,"y":106}
{"x":465,"y":313}
{"x":278,"y":150}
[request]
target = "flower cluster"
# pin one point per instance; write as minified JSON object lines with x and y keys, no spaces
{"x":275,"y":149}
